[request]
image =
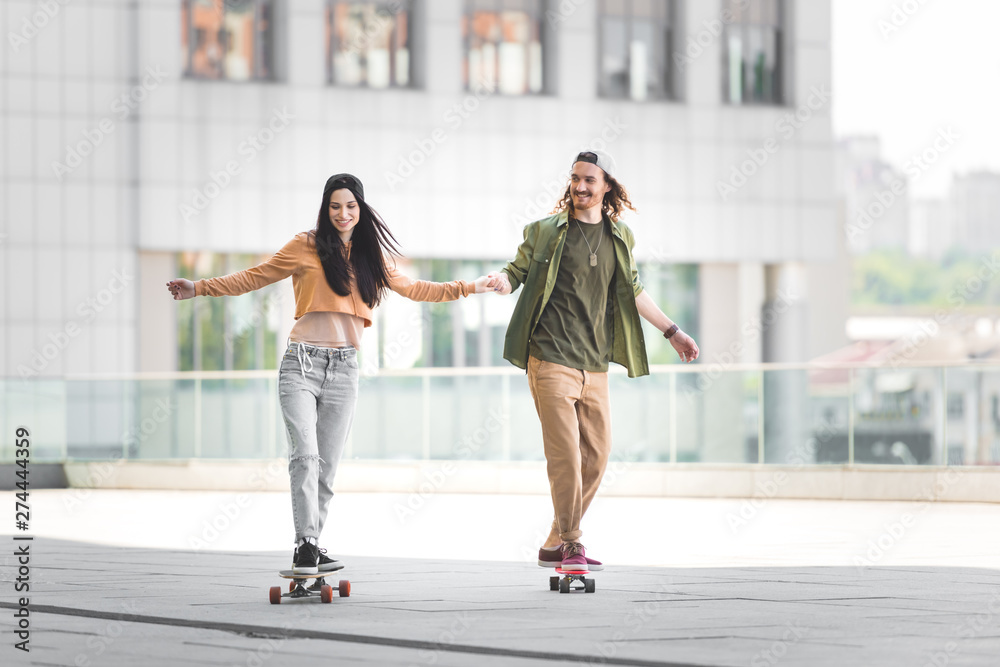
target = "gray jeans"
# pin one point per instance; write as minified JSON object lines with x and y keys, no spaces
{"x":318,"y":390}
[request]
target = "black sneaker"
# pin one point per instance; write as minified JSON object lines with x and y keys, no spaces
{"x":304,"y":559}
{"x":328,"y":564}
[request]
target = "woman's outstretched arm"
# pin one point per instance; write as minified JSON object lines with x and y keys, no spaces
{"x":426,"y":290}
{"x":281,"y":265}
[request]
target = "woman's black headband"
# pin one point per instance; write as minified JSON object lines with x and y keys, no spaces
{"x":348,"y":181}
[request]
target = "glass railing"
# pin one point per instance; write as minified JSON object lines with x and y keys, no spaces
{"x":782,"y":414}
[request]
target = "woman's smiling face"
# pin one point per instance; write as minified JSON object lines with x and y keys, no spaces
{"x":344,"y":212}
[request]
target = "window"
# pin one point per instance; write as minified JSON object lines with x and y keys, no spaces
{"x":234,"y":333}
{"x":228,"y":39}
{"x":752,"y":52}
{"x":636,"y":43}
{"x":503,"y":48}
{"x":368,"y":43}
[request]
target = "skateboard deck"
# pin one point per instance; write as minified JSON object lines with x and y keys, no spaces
{"x":297,"y":587}
{"x":564,"y":583}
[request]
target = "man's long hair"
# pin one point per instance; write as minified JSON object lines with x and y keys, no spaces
{"x":613,"y":205}
{"x":371,"y":242}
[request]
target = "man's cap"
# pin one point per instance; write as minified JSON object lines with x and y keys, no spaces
{"x":600,"y":158}
{"x":349,"y":181}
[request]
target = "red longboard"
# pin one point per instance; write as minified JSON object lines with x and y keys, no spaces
{"x":297,"y":588}
{"x":563,"y":583}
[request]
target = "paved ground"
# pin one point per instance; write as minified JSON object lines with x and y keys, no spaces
{"x":95,"y":604}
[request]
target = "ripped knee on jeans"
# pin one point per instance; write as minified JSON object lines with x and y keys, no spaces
{"x":308,"y":457}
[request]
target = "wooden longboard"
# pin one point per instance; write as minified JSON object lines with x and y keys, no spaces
{"x":290,"y":574}
{"x":297,"y":588}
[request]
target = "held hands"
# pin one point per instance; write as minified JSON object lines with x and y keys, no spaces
{"x":182,"y":289}
{"x":482,"y":284}
{"x":498,"y":282}
{"x":685,"y":346}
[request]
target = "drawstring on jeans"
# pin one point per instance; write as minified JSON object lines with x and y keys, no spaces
{"x":300,"y":354}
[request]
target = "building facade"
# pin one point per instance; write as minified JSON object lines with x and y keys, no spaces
{"x":150,"y":140}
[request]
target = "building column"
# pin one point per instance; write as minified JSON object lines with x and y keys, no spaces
{"x":728,"y":293}
{"x":785,"y":326}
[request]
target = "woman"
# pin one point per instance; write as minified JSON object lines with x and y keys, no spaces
{"x":340,"y":273}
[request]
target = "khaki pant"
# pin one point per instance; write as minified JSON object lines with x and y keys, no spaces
{"x":575,"y":410}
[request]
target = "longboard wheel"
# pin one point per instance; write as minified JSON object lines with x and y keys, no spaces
{"x":589,"y":586}
{"x":275,"y":594}
{"x":344,"y":588}
{"x":564,"y":585}
{"x":553,"y":583}
{"x":326,"y":593}
{"x":291,"y":585}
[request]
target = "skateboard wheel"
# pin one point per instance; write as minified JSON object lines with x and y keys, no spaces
{"x":344,"y":588}
{"x":291,"y":585}
{"x":275,"y":594}
{"x":553,"y":583}
{"x":326,"y":593}
{"x":564,"y":585}
{"x":589,"y":586}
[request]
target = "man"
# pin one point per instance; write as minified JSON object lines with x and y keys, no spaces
{"x":579,"y":309}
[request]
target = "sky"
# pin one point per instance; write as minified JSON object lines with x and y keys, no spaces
{"x":939,"y":70}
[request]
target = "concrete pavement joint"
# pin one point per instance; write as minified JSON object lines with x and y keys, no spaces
{"x":259,"y":632}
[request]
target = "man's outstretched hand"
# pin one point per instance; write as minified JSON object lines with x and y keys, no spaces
{"x":499,"y":283}
{"x":181,"y":289}
{"x":685,"y":346}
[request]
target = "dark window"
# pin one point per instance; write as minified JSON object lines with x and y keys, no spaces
{"x":636,"y":43}
{"x":503,"y":46}
{"x":751,"y":51}
{"x":368,"y":43}
{"x":228,"y":39}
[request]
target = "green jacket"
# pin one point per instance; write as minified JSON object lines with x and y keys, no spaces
{"x":536,"y":267}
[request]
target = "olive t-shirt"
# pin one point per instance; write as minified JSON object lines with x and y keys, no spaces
{"x":575,"y":327}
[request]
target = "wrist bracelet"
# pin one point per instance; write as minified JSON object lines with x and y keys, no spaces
{"x":671,"y":331}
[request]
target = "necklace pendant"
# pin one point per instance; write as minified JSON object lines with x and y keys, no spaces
{"x":593,"y":259}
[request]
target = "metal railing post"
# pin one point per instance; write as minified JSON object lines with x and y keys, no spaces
{"x":850,"y":417}
{"x":760,"y":416}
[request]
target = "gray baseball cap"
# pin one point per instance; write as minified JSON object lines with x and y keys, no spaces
{"x":600,"y":158}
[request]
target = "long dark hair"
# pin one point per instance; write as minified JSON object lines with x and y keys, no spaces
{"x":613,"y":205}
{"x":370,"y":243}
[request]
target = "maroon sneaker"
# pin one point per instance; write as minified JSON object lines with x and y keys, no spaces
{"x":553,"y":558}
{"x":574,"y":557}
